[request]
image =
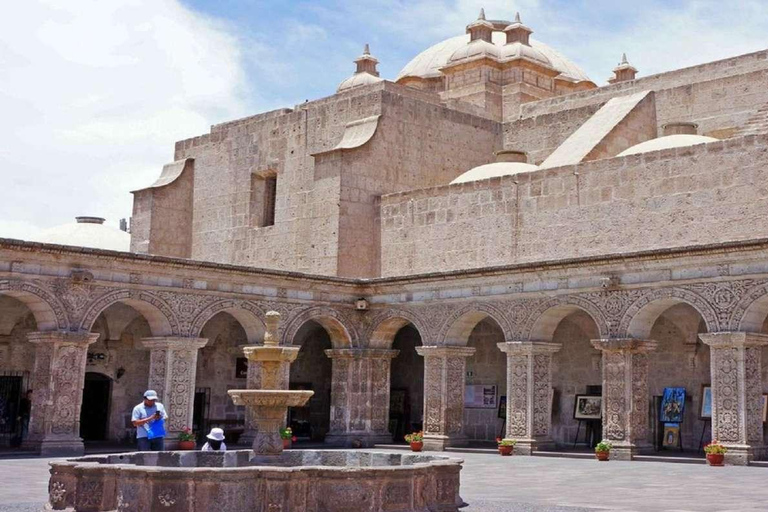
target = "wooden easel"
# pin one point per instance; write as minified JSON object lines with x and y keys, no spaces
{"x":706,"y":421}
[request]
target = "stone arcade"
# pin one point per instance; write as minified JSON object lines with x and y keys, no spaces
{"x":618,"y":243}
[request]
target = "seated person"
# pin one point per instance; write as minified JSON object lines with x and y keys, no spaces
{"x":215,"y":441}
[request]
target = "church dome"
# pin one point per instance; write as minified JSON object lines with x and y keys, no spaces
{"x":87,"y":232}
{"x":476,"y":49}
{"x":520,"y":51}
{"x":494,"y":170}
{"x":357,"y":80}
{"x":428,"y":63}
{"x":667,"y":142}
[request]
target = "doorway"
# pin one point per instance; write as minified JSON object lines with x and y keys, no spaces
{"x":94,"y":414}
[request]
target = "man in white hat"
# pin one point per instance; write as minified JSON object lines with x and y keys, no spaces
{"x":147,"y":412}
{"x":215,"y":441}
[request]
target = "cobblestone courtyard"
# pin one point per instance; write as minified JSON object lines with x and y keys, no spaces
{"x":541,"y":484}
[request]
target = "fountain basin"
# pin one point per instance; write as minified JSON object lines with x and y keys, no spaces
{"x":270,"y":398}
{"x":295,"y":481}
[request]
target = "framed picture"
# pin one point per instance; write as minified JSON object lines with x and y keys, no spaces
{"x":502,"y":414}
{"x":671,"y":435}
{"x":765,"y":408}
{"x":705,"y":411}
{"x":480,"y":396}
{"x":672,"y":405}
{"x":588,"y":407}
{"x":241,"y":368}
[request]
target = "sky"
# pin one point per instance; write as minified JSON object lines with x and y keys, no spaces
{"x":94,"y":93}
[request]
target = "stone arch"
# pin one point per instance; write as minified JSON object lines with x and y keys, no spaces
{"x":643,"y":313}
{"x":386,"y":325}
{"x":459,"y":325}
{"x":544,"y":320}
{"x":48,"y":311}
{"x":159,"y":316}
{"x":339,"y":328}
{"x":751,"y":311}
{"x":250,"y":317}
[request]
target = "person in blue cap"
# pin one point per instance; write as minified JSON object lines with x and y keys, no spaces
{"x":144,"y":416}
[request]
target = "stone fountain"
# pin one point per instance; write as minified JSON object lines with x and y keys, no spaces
{"x":264,"y":479}
{"x":269,"y":365}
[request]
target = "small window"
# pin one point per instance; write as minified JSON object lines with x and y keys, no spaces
{"x":263,"y":199}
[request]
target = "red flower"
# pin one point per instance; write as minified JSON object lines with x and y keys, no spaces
{"x":293,"y":438}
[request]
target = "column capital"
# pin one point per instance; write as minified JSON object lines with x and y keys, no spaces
{"x":361,"y":353}
{"x":734,"y":339}
{"x":64,"y":337}
{"x":173,"y":343}
{"x":445,"y":351}
{"x":528,"y":347}
{"x":631,"y":345}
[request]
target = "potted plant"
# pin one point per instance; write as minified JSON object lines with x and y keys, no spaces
{"x":286,"y":434}
{"x":416,"y":440}
{"x":603,"y":450}
{"x":506,"y":446}
{"x":715,"y":453}
{"x":187,"y":439}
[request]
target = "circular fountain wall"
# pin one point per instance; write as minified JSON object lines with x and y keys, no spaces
{"x":295,"y":481}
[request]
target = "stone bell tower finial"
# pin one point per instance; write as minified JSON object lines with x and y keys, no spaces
{"x":518,"y":33}
{"x":624,"y":72}
{"x":480,"y":29}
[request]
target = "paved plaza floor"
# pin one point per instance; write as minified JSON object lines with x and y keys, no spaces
{"x":538,"y":484}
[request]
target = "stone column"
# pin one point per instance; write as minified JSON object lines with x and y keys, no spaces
{"x":625,"y":394}
{"x":737,"y":389}
{"x":172,"y":369}
{"x":529,"y":393}
{"x":360,"y":396}
{"x":444,"y":377}
{"x":57,"y":391}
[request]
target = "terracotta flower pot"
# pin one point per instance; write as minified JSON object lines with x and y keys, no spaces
{"x":286,"y":444}
{"x":602,"y":455}
{"x":416,"y":446}
{"x":715,"y":459}
{"x":187,"y":445}
{"x":506,"y":450}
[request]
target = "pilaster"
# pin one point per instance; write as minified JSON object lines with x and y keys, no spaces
{"x":172,"y":371}
{"x":737,"y":389}
{"x":529,"y":393}
{"x":360,"y":396}
{"x":57,"y":391}
{"x":444,"y":378}
{"x":625,"y":394}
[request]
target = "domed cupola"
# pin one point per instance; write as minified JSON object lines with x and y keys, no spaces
{"x":365,"y":74}
{"x":480,"y":43}
{"x":519,"y":44}
{"x":87,"y":232}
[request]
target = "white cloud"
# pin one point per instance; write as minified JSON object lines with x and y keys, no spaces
{"x":93,"y":95}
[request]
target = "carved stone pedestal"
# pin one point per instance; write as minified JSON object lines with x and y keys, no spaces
{"x":529,"y":385}
{"x":444,"y":377}
{"x":737,"y":389}
{"x":360,"y":397}
{"x":625,"y":394}
{"x":172,"y":369}
{"x":57,"y":391}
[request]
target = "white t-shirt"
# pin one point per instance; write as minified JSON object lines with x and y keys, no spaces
{"x":141,"y":411}
{"x":207,"y":447}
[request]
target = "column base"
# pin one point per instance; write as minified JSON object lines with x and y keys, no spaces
{"x":628,"y":451}
{"x":357,"y":440}
{"x":742,"y":455}
{"x":438,"y":443}
{"x":57,"y":447}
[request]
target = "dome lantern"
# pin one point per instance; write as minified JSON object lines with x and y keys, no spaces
{"x":480,"y":29}
{"x":624,"y":72}
{"x":366,"y":72}
{"x":518,"y":33}
{"x":366,"y":63}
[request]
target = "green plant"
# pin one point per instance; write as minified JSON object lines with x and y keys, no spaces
{"x":603,"y":446}
{"x":286,"y":433}
{"x":187,"y":435}
{"x":505,"y":442}
{"x":715,"y":448}
{"x":414,"y":437}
